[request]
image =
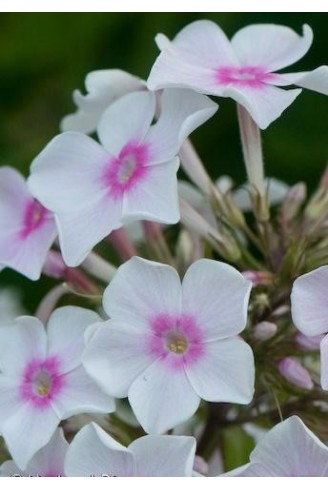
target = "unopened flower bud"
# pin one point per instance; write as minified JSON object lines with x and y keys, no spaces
{"x":292,"y":370}
{"x":54,"y":265}
{"x":308,"y":343}
{"x":258,"y":277}
{"x":265,"y":330}
{"x":294,"y":199}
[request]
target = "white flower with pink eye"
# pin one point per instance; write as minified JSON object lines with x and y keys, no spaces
{"x":48,"y":461}
{"x":27,"y":228}
{"x":94,"y":453}
{"x":44,"y":381}
{"x":94,"y":189}
{"x":289,"y":449}
{"x":203,"y":59}
{"x":103,"y":88}
{"x":168,"y":345}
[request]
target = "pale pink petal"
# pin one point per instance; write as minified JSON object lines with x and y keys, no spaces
{"x":103,"y":87}
{"x":79,"y":231}
{"x":291,"y":449}
{"x":27,"y":431}
{"x":155,"y":198}
{"x":142,"y":289}
{"x":66,"y":327}
{"x":309,"y":302}
{"x":115,"y":356}
{"x":164,"y":455}
{"x":225,"y":373}
{"x":10,"y":399}
{"x":292,"y":370}
{"x":49,"y":460}
{"x":217,"y":296}
{"x":162,"y":399}
{"x":182,"y":111}
{"x":80,"y":394}
{"x":94,"y":453}
{"x":126,"y":120}
{"x":14,"y":196}
{"x":265,"y":103}
{"x":171,"y":69}
{"x":204,"y":43}
{"x":271,"y":46}
{"x":27,"y":339}
{"x":68,"y":174}
{"x":324,"y":362}
{"x":316,"y":80}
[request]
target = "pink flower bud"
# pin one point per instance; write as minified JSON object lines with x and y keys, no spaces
{"x":292,"y":370}
{"x":265,"y":330}
{"x":308,"y":343}
{"x":258,"y":277}
{"x":54,"y":265}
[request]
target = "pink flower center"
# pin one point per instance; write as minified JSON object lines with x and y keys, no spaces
{"x":124,"y":172}
{"x":34,"y":216}
{"x":41,"y":382}
{"x":178,"y":341}
{"x":247,"y":76}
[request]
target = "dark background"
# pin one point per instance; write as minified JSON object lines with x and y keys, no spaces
{"x":44,"y":56}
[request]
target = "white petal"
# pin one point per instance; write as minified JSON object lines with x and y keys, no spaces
{"x":66,"y":327}
{"x":309,"y":302}
{"x":265,"y":104}
{"x":316,"y":80}
{"x":115,"y":356}
{"x":182,"y":111}
{"x":271,"y":46}
{"x":142,"y":289}
{"x":155,"y":198}
{"x":277,"y":191}
{"x":49,"y":460}
{"x":225,"y":373}
{"x":79,"y":231}
{"x":217,"y":295}
{"x":128,"y":119}
{"x":164,"y":455}
{"x":14,"y":196}
{"x":67,"y":175}
{"x":249,"y":470}
{"x":291,"y":449}
{"x":162,"y":398}
{"x":27,"y":431}
{"x":81,"y":395}
{"x":10,"y":398}
{"x":27,"y":339}
{"x":324,"y":362}
{"x":94,"y":453}
{"x":9,"y":468}
{"x":81,"y":121}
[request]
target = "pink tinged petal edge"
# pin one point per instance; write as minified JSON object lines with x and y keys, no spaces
{"x":127,"y":119}
{"x":271,"y":46}
{"x":182,"y":111}
{"x":161,"y":399}
{"x":291,"y":449}
{"x":27,"y":430}
{"x":115,"y":355}
{"x":217,"y":296}
{"x":309,"y":304}
{"x":324,"y":362}
{"x":226,"y":372}
{"x":170,"y":455}
{"x":66,"y":327}
{"x":140,"y":289}
{"x":94,"y":453}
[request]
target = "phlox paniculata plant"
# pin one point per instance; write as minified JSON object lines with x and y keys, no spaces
{"x":208,"y":329}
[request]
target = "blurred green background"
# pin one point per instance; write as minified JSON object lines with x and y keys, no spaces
{"x":44,"y":56}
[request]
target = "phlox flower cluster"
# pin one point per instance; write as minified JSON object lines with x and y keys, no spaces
{"x":202,"y":322}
